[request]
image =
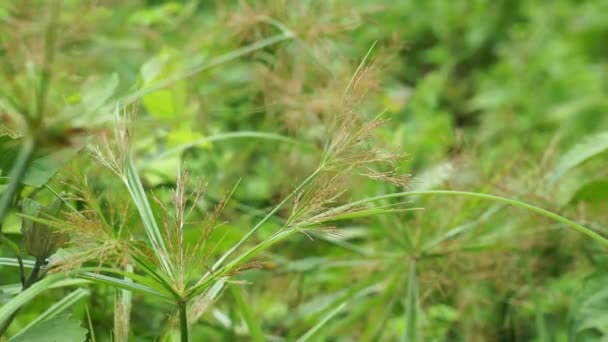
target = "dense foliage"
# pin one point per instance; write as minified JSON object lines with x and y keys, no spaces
{"x":337,"y":170}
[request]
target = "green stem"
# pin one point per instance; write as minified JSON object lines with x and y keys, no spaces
{"x":543,"y":212}
{"x":411,"y":303}
{"x":16,"y":175}
{"x":183,"y":320}
{"x":4,"y":326}
{"x":262,"y":221}
{"x":204,"y":282}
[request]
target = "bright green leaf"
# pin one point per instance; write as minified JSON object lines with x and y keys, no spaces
{"x":589,"y":315}
{"x":592,"y":192}
{"x":170,"y":102}
{"x":56,"y":329}
{"x":41,"y":168}
{"x":581,"y":152}
{"x":96,"y":93}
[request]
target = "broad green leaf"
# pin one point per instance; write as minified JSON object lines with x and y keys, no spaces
{"x":589,"y":314}
{"x":96,"y":93}
{"x":157,"y":15}
{"x":56,"y":329}
{"x":56,"y":309}
{"x":9,"y":148}
{"x":185,"y":136}
{"x":24,"y":297}
{"x":592,"y":192}
{"x":169,"y":102}
{"x":588,"y":148}
{"x":41,"y":168}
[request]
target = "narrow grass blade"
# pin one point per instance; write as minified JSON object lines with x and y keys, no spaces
{"x":24,"y":297}
{"x":411,"y":305}
{"x":127,"y":285}
{"x":154,"y":234}
{"x":543,"y":212}
{"x":16,"y":174}
{"x":150,"y":286}
{"x":56,"y":309}
{"x":361,"y":65}
{"x":310,"y":333}
{"x":461,"y":229}
{"x":255,"y":329}
{"x":199,"y":305}
{"x":223,"y":271}
{"x":262,"y":221}
{"x":90,"y":324}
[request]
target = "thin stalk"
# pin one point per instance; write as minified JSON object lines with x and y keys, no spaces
{"x":354,"y":77}
{"x":543,"y":212}
{"x":122,"y":309}
{"x":4,"y":326}
{"x":49,"y":56}
{"x":262,"y":221}
{"x":411,"y":303}
{"x":183,"y":320}
{"x":16,"y":175}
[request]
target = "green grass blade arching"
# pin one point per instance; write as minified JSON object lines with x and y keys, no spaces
{"x":543,"y":212}
{"x":310,"y":333}
{"x":57,"y":308}
{"x":30,"y":293}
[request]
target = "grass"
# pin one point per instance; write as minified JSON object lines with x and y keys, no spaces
{"x":252,"y":191}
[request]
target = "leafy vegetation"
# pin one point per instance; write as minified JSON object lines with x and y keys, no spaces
{"x":303,"y":170}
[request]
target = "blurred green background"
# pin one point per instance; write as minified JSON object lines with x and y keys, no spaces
{"x":482,"y":95}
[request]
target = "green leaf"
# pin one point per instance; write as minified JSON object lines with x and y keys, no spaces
{"x":56,"y":309}
{"x":24,"y":297}
{"x":157,"y":15}
{"x":57,"y":329}
{"x":41,"y":168}
{"x":96,"y":93}
{"x":589,"y":314}
{"x":581,"y":152}
{"x":169,"y":102}
{"x":592,"y":192}
{"x":40,"y":240}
